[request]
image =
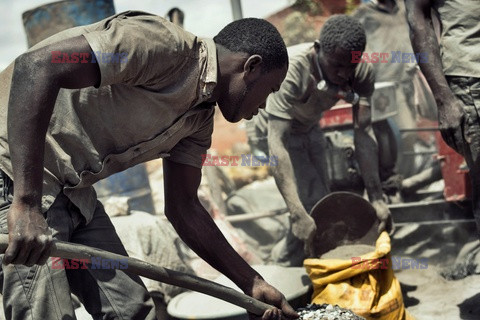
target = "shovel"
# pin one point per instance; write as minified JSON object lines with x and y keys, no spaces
{"x":76,"y":251}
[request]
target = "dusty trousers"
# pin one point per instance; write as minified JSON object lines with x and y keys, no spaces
{"x":467,"y":91}
{"x":43,"y":292}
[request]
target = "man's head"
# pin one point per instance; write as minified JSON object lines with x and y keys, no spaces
{"x":253,"y":62}
{"x":340,"y":35}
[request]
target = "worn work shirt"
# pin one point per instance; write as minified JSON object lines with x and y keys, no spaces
{"x":387,"y":32}
{"x":460,"y":36}
{"x":151,"y":105}
{"x":299,"y":100}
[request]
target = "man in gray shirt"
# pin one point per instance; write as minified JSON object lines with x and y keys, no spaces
{"x":387,"y":33}
{"x":453,"y":73}
{"x":68,"y":119}
{"x":291,"y":123}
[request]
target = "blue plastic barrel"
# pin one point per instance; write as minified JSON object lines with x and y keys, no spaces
{"x":46,"y":20}
{"x":132,"y":183}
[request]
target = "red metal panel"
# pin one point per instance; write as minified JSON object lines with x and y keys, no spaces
{"x":339,"y":115}
{"x":454,"y":172}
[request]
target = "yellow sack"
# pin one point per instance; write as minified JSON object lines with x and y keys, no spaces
{"x":372,"y":292}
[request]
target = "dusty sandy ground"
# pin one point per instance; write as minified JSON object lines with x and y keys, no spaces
{"x":428,"y":296}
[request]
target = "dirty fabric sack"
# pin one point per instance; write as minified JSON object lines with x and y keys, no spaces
{"x":368,"y":289}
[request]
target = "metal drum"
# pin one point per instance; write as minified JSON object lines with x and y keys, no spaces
{"x":46,"y":20}
{"x":342,"y":216}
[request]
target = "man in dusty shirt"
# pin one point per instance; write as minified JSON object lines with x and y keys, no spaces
{"x":453,"y":73}
{"x":289,"y":128}
{"x":69,"y":118}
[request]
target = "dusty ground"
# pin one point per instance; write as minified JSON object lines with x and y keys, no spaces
{"x":427,"y":295}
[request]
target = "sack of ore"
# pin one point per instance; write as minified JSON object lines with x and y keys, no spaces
{"x":326,"y":312}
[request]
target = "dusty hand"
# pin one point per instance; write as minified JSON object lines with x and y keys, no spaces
{"x":392,"y":185}
{"x":264,"y":292}
{"x":384,"y":215}
{"x":451,"y":121}
{"x":304,"y":228}
{"x":29,"y":239}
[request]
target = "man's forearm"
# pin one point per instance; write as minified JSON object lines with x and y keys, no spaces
{"x":33,"y":92}
{"x":29,"y":110}
{"x":198,"y":230}
{"x":366,"y":151}
{"x":303,"y":226}
{"x":285,"y":178}
{"x":424,"y":40}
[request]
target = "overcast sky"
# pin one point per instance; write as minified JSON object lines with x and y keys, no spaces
{"x":202,"y":17}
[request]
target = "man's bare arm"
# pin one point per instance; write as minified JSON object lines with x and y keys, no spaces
{"x":366,"y":152}
{"x":35,"y":85}
{"x":303,"y":226}
{"x":424,"y":40}
{"x":195,"y":226}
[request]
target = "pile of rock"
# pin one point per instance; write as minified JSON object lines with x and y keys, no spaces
{"x":326,"y":312}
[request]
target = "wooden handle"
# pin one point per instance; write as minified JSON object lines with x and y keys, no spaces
{"x":77,"y":251}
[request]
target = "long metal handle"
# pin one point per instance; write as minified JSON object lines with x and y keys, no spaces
{"x":77,"y":251}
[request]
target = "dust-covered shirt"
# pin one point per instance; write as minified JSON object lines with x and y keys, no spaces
{"x":388,"y":33}
{"x":152,"y":103}
{"x":460,"y":36}
{"x":299,"y":100}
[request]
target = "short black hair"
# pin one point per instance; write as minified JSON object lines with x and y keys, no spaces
{"x":255,"y":36}
{"x":342,"y":31}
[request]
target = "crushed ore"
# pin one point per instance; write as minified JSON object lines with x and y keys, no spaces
{"x":326,"y":312}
